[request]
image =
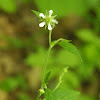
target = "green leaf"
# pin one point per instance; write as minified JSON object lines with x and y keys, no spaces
{"x":64,"y":94}
{"x":70,"y":48}
{"x":65,"y":58}
{"x":47,"y":77}
{"x":49,"y":95}
{"x":36,"y":13}
{"x":61,"y":94}
{"x":53,"y":43}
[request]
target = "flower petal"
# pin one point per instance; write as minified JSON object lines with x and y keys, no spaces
{"x":49,"y":27}
{"x":42,"y":24}
{"x":42,"y":15}
{"x":50,"y":12}
{"x":55,"y":21}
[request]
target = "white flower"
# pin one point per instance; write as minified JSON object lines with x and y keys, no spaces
{"x":49,"y":27}
{"x":42,"y":24}
{"x":48,"y":20}
{"x":55,"y":21}
{"x":50,"y":13}
{"x":42,"y":15}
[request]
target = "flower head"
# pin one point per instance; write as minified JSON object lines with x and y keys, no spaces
{"x":48,"y":20}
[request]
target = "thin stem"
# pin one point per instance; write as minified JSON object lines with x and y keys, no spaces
{"x":45,"y":66}
{"x":50,"y":32}
{"x":60,"y":81}
{"x":61,"y":77}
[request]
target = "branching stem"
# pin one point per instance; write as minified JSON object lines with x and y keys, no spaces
{"x":45,"y":66}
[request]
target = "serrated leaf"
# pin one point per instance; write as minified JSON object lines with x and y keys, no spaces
{"x":53,"y":43}
{"x":36,"y":13}
{"x":64,"y":94}
{"x":70,"y":48}
{"x":49,"y":95}
{"x":47,"y":77}
{"x":61,"y":94}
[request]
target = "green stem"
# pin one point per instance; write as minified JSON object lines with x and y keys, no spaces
{"x":50,"y":32}
{"x":45,"y":66}
{"x":60,"y":81}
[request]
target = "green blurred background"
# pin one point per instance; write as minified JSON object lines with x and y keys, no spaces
{"x":23,"y":47}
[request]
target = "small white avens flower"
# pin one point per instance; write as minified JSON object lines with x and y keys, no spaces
{"x":50,"y":13}
{"x":42,"y":15}
{"x":42,"y":24}
{"x":49,"y":27}
{"x":55,"y":21}
{"x":48,"y":20}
